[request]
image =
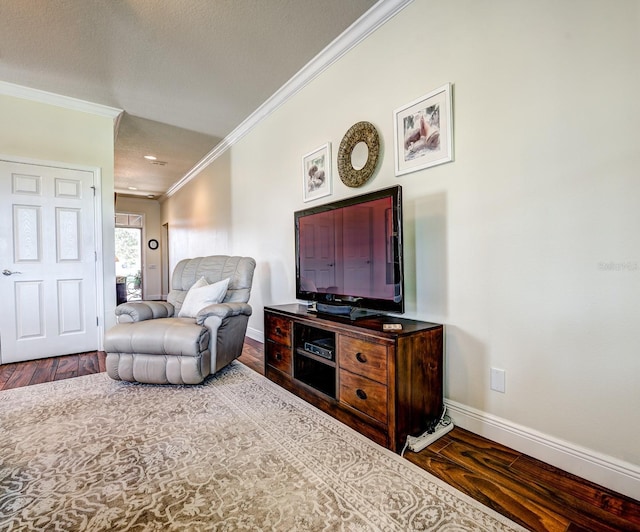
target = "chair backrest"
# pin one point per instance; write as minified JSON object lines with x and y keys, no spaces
{"x":215,"y":268}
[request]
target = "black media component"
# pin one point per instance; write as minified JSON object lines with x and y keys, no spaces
{"x":323,"y":347}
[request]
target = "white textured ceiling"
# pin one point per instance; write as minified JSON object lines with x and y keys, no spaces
{"x":187,"y":72}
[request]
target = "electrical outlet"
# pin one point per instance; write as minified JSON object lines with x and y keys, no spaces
{"x":497,"y":380}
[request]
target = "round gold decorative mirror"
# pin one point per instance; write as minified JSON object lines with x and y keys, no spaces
{"x":363,"y":138}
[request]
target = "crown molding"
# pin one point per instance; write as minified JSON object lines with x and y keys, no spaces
{"x":375,"y":17}
{"x":36,"y":95}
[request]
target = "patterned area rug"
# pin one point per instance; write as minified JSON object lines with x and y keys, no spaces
{"x":236,"y":453}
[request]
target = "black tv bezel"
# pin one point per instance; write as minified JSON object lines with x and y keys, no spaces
{"x":344,"y":300}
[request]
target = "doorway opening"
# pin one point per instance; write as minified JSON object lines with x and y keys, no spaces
{"x":129,"y":278}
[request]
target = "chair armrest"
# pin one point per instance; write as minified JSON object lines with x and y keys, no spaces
{"x":143,"y":310}
{"x":223,"y":310}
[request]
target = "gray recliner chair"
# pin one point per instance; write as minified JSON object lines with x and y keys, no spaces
{"x":188,"y":337}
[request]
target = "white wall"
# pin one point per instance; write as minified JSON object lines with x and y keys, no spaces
{"x":526,"y":247}
{"x":199,"y":215}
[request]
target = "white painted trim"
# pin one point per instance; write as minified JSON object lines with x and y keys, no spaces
{"x":97,"y":209}
{"x":375,"y":17}
{"x":604,"y":470}
{"x":36,"y":95}
{"x":255,"y":334}
{"x":116,"y":127}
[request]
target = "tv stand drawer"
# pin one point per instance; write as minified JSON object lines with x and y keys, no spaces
{"x":363,"y":358}
{"x":278,"y":330}
{"x":365,"y":395}
{"x":278,"y":356}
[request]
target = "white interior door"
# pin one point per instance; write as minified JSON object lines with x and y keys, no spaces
{"x":48,"y":262}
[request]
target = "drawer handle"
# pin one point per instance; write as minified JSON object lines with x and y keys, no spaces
{"x":361,"y":394}
{"x":278,"y":357}
{"x":361,"y":358}
{"x":278,"y":331}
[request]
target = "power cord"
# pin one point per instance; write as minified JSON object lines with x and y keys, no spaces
{"x":417,"y":443}
{"x":431,"y":427}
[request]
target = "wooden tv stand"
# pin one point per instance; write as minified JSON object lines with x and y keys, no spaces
{"x":384,"y":384}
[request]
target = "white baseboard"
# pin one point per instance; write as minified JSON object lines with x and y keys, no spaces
{"x":255,"y":334}
{"x":617,"y":475}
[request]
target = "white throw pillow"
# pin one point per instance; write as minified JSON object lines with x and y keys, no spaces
{"x":200,"y":283}
{"x":198,"y":298}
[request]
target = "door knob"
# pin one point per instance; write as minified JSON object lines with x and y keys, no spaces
{"x":9,"y":272}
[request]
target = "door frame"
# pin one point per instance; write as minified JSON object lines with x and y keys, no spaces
{"x":97,"y":226}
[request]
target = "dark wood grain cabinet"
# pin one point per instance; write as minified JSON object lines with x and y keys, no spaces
{"x":384,"y":384}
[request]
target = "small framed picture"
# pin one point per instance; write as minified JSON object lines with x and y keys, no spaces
{"x":316,"y":173}
{"x":423,"y":132}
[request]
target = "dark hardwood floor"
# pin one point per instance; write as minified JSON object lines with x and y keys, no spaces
{"x":538,"y":496}
{"x":51,"y":369}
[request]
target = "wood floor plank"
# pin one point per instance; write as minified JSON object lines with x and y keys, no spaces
{"x":45,"y":370}
{"x":554,"y":499}
{"x":442,"y":442}
{"x":21,"y":376}
{"x":88,"y":363}
{"x":499,"y":453}
{"x":253,"y":355}
{"x":491,"y":492}
{"x":6,"y":370}
{"x":577,"y":528}
{"x":102,"y":357}
{"x":592,"y":494}
{"x":67,"y":367}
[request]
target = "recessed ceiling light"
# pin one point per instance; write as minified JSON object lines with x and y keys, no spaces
{"x":150,"y":157}
{"x":133,"y":188}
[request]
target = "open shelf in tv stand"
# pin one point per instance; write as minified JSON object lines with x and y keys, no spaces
{"x":384,"y":384}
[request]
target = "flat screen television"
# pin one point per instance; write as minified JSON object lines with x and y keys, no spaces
{"x":349,"y":256}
